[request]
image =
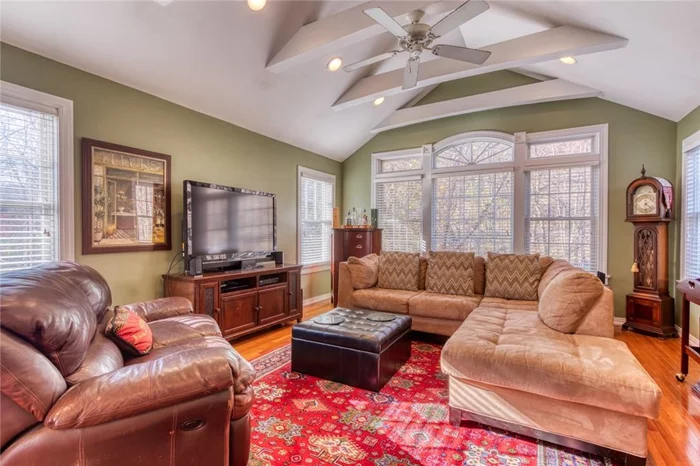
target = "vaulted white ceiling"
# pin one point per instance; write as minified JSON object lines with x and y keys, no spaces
{"x":211,"y":56}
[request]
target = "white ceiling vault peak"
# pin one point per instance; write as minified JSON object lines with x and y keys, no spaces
{"x":266,"y":70}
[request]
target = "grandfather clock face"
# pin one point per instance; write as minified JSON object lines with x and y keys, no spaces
{"x":644,"y":201}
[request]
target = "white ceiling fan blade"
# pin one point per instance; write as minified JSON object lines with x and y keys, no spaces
{"x":463,"y":13}
{"x":387,"y":22}
{"x":477,"y":57}
{"x":370,"y":61}
{"x":410,"y":73}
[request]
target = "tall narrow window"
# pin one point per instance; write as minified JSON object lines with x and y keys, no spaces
{"x":690,"y":222}
{"x":316,"y":199}
{"x":28,"y":187}
{"x":562,"y":215}
{"x":399,"y":206}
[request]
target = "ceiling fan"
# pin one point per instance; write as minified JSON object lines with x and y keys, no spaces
{"x":416,"y":37}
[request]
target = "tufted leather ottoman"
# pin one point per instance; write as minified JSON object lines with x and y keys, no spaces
{"x":358,"y":352}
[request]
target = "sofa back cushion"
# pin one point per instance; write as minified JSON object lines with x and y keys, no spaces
{"x":364,"y":271}
{"x":512,"y":276}
{"x":479,"y":275}
{"x":399,"y":270}
{"x":451,"y":273}
{"x":422,"y":272}
{"x":567,"y":299}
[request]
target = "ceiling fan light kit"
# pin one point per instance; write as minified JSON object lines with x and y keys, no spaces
{"x":416,"y":37}
{"x":568,"y":60}
{"x":256,"y":5}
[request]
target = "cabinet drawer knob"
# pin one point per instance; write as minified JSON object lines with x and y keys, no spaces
{"x":359,"y":235}
{"x":359,"y":246}
{"x":290,"y":293}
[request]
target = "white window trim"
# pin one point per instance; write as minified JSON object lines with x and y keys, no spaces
{"x":522,"y":163}
{"x":321,"y":176}
{"x":688,"y":144}
{"x":65,"y":203}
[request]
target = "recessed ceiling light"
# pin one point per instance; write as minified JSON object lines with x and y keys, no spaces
{"x":568,"y":60}
{"x":378,"y":100}
{"x":334,"y":64}
{"x":256,"y":5}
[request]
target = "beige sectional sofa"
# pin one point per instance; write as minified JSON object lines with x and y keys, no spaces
{"x":508,"y":368}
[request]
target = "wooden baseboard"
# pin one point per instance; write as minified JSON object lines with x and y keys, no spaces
{"x":317,"y":299}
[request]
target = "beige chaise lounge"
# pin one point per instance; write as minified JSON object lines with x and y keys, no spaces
{"x":508,"y":369}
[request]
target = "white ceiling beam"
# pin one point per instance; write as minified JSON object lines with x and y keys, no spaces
{"x":327,"y":36}
{"x":543,"y":46}
{"x":546,"y":91}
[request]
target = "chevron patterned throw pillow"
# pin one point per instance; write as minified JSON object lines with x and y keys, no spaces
{"x":451,"y":273}
{"x":399,"y":270}
{"x":513,"y":276}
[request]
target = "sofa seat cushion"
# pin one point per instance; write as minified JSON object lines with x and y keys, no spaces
{"x":513,"y":349}
{"x":442,"y":306}
{"x":516,"y":304}
{"x":175,"y":329}
{"x":380,"y":299}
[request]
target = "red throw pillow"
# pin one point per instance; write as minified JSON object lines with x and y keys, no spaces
{"x":130,"y":332}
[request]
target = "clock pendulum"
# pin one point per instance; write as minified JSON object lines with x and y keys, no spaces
{"x":650,"y":209}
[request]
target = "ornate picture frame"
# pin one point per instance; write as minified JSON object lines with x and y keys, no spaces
{"x":125,"y":199}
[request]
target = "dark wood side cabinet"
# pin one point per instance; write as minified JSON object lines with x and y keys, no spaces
{"x":243,"y":301}
{"x":358,"y":242}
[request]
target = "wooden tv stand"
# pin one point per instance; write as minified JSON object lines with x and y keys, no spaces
{"x":238,"y":301}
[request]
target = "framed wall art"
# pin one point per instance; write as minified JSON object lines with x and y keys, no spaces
{"x":126,"y":199}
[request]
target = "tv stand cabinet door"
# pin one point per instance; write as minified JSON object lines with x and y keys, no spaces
{"x":294,"y":293}
{"x":273,"y":304}
{"x":238,"y":313}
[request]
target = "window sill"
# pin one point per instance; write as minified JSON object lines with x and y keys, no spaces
{"x":313,"y":268}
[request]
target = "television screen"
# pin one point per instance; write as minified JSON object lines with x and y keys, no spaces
{"x":229,"y":220}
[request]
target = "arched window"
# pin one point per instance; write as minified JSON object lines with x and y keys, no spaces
{"x":476,"y":151}
{"x":484,"y":192}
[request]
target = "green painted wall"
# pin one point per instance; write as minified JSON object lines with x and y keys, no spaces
{"x":686,"y":127}
{"x":634,"y":138}
{"x":202,"y":148}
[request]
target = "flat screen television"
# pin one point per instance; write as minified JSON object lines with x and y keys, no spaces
{"x":225,"y":224}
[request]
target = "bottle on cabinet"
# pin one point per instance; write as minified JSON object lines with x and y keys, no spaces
{"x":354,"y":216}
{"x":365,"y":219}
{"x":348,"y":219}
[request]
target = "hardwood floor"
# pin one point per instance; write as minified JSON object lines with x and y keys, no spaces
{"x":673,"y":440}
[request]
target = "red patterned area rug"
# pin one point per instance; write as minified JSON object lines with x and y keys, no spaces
{"x":302,"y":420}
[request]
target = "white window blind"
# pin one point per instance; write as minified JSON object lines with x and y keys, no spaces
{"x":400,"y":212}
{"x":561,"y":214}
{"x":316,"y":191}
{"x":473,"y":213}
{"x":691,"y":214}
{"x":28,"y":187}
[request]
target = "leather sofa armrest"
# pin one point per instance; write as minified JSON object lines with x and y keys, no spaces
{"x":345,"y":288}
{"x":139,"y":388}
{"x":162,"y":308}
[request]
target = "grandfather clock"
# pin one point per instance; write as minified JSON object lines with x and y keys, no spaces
{"x":650,"y":209}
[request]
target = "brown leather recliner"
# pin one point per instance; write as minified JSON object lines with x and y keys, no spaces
{"x":70,"y":397}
